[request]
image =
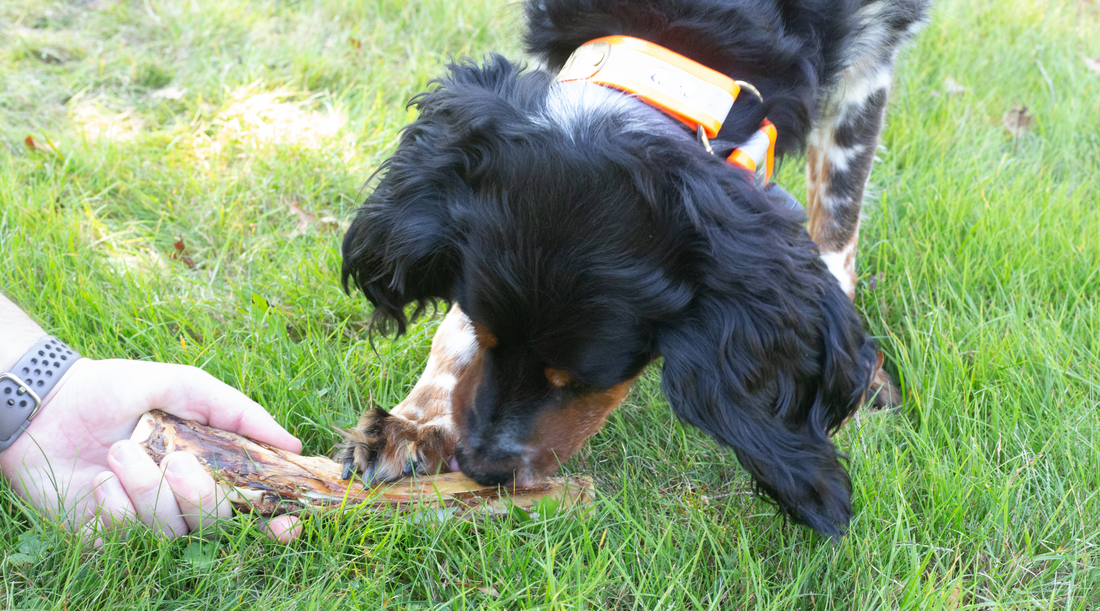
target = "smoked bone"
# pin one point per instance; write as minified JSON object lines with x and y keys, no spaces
{"x":269,"y":481}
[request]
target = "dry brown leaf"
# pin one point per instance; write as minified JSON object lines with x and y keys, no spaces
{"x":954,"y":598}
{"x":42,"y":147}
{"x":1092,"y":64}
{"x":1017,"y":121}
{"x":952,"y":87}
{"x":307,"y":219}
{"x":179,"y":254}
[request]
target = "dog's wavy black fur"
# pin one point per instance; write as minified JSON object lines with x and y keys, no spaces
{"x":598,"y":238}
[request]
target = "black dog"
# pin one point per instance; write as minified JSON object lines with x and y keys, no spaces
{"x":584,"y":233}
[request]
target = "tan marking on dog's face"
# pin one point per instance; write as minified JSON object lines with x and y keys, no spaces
{"x":557,"y":377}
{"x":556,"y":436}
{"x":561,"y":433}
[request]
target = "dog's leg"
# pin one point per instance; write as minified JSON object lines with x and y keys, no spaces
{"x":843,"y":142}
{"x":418,"y":435}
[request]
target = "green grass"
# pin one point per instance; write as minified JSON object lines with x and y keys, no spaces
{"x":980,"y":256}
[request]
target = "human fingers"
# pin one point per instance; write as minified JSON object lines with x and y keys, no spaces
{"x":92,"y":532}
{"x":284,"y":529}
{"x":200,"y":396}
{"x":197,"y":495}
{"x":201,"y":501}
{"x":114,"y":508}
{"x":146,"y":487}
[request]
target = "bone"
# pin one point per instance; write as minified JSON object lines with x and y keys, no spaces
{"x":268,"y":481}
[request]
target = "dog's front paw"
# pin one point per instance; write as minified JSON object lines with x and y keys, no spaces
{"x":384,"y":447}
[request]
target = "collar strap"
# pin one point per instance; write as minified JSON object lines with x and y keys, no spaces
{"x":757,"y":154}
{"x":688,"y":91}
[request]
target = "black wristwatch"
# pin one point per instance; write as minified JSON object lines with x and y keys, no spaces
{"x":29,"y":381}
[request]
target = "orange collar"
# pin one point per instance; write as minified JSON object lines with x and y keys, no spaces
{"x":688,"y":91}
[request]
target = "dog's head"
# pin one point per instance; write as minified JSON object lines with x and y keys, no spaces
{"x":585,"y":234}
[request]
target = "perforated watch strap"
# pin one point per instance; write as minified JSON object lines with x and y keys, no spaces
{"x":29,"y":381}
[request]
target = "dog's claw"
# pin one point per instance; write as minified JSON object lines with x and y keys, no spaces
{"x":349,"y":470}
{"x":369,"y":476}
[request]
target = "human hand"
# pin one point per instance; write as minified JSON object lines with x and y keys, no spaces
{"x":76,"y":460}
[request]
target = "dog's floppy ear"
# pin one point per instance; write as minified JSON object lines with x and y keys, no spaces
{"x":770,"y":357}
{"x":400,"y":246}
{"x":403,"y":245}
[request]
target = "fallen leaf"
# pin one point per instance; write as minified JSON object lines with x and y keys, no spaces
{"x":307,"y":219}
{"x":952,"y":87}
{"x":954,"y":598}
{"x":1092,"y":64}
{"x":179,"y":254}
{"x":1017,"y":121}
{"x":355,"y":42}
{"x":43,"y":147}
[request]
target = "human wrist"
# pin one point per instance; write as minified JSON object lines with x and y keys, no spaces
{"x":53,"y":417}
{"x":17,"y":334}
{"x":25,"y":389}
{"x":27,"y":381}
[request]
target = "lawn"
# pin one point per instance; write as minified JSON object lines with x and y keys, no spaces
{"x":174,"y":182}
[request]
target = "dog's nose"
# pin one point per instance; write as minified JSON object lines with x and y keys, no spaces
{"x":501,"y":471}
